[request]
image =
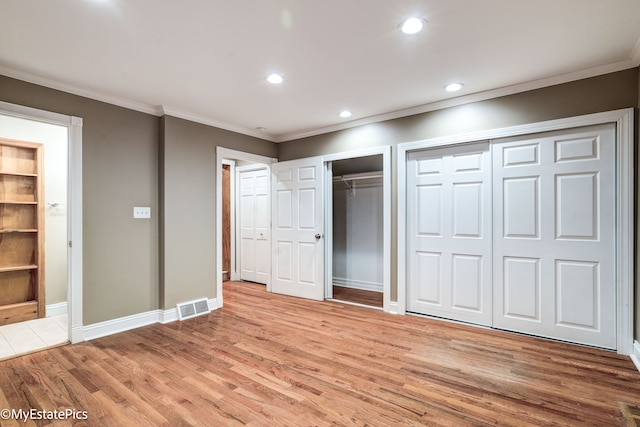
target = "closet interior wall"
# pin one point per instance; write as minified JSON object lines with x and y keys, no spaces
{"x":357,"y":231}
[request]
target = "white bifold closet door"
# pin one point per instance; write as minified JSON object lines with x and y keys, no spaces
{"x":449,"y":233}
{"x":554,"y":244}
{"x":255,"y":224}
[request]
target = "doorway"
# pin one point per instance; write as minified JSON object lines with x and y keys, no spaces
{"x":229,"y":164}
{"x":61,"y":137}
{"x":358,"y":238}
{"x":327,"y":206}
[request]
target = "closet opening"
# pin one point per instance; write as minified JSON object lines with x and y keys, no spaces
{"x":357,"y":232}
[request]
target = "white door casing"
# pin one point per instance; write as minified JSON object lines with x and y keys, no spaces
{"x":297,"y":228}
{"x":449,"y":226}
{"x":254,"y":224}
{"x":554,"y":235}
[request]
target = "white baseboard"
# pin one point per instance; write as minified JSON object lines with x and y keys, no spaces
{"x":635,"y":355}
{"x":358,"y":284}
{"x":110,"y":327}
{"x":393,"y":307}
{"x":56,"y":309}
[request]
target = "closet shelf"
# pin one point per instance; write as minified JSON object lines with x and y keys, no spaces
{"x":21,"y":230}
{"x":18,"y":268}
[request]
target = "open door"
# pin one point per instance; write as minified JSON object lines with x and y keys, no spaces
{"x":297,"y":228}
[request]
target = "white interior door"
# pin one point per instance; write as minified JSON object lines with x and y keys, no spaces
{"x":254,"y":224}
{"x":449,"y":233}
{"x":297,"y":228}
{"x":554,"y":245}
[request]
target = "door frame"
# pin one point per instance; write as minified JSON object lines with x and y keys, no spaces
{"x":223,"y":153}
{"x":388,"y":305}
{"x":624,"y":176}
{"x":74,"y":210}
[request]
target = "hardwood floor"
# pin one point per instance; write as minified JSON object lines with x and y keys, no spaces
{"x":358,"y":296}
{"x":270,"y":360}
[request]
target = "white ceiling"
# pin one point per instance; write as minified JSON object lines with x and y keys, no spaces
{"x":207,"y":60}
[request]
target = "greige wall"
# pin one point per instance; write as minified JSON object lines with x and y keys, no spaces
{"x":187,"y":195}
{"x":119,"y":160}
{"x":125,"y":154}
{"x":603,"y":93}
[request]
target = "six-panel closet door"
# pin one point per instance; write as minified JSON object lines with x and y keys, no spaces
{"x":449,"y":226}
{"x":554,"y":245}
{"x":518,"y":234}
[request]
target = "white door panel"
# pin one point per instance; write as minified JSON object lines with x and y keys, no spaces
{"x":554,"y":248}
{"x":254,"y":224}
{"x":297,"y":229}
{"x":449,"y":217}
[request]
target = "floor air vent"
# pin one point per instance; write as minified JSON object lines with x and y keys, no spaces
{"x":195,"y":308}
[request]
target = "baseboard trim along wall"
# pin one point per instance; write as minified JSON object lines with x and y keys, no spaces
{"x":122,"y":324}
{"x":635,"y":355}
{"x":56,"y":309}
{"x":358,"y":284}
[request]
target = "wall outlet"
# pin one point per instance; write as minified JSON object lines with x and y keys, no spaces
{"x":139,"y":212}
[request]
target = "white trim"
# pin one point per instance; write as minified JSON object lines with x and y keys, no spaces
{"x":76,"y":90}
{"x":57,"y":309}
{"x":635,"y":356}
{"x":393,"y":308}
{"x":358,"y":284}
{"x":633,"y":61}
{"x":127,"y":323}
{"x":386,"y":208}
{"x":181,"y":114}
{"x":114,"y":326}
{"x":625,"y":197}
{"x":221,"y":154}
{"x":74,"y":214}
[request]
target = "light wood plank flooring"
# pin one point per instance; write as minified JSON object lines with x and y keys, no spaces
{"x":271,"y":360}
{"x":358,"y":296}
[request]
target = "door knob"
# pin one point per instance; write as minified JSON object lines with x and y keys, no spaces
{"x":318,"y":236}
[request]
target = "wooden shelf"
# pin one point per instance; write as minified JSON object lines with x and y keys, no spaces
{"x":17,"y":173}
{"x":18,"y":268}
{"x":17,"y":202}
{"x":21,"y":231}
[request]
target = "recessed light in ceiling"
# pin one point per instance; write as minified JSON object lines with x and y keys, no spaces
{"x":275,"y":79}
{"x":412,"y":25}
{"x":453,"y":87}
{"x":345,"y":114}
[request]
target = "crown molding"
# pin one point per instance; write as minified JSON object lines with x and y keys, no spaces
{"x":633,"y":61}
{"x":174,"y":112}
{"x":474,"y":97}
{"x":75,"y":90}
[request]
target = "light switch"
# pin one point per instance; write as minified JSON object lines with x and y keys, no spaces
{"x":139,"y":212}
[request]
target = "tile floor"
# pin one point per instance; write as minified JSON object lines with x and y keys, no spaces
{"x":32,"y":335}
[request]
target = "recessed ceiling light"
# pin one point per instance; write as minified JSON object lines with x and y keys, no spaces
{"x":412,"y":25}
{"x":453,"y":87}
{"x":345,"y":114}
{"x":275,"y":79}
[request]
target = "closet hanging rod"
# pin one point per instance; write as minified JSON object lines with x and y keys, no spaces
{"x":356,"y":176}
